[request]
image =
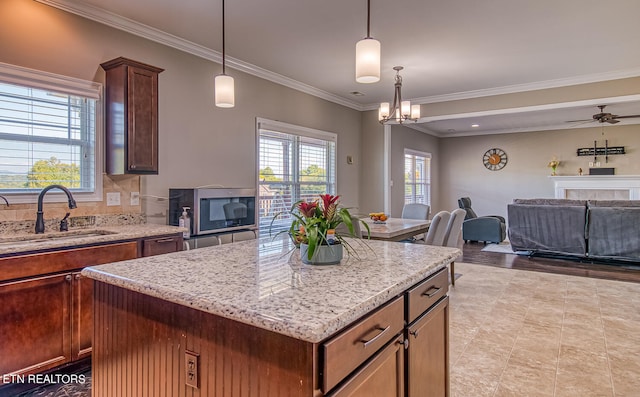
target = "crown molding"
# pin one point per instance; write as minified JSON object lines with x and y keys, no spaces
{"x":513,"y":89}
{"x":136,"y":28}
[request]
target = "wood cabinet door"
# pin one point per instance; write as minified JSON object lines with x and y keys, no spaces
{"x":382,"y":376}
{"x":35,"y":331}
{"x":142,"y":133}
{"x":82,"y":317}
{"x":428,"y":353}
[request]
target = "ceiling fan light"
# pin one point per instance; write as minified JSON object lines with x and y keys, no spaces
{"x":368,"y":60}
{"x":224,"y":91}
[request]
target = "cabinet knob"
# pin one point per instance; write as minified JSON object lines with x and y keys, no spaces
{"x":77,"y":277}
{"x":68,"y":277}
{"x":132,"y":166}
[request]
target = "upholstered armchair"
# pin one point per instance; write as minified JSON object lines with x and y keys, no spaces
{"x":484,"y":228}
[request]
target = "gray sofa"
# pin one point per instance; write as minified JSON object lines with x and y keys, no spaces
{"x":597,"y":229}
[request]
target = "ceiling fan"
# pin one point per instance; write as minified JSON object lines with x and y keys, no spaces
{"x":603,"y":117}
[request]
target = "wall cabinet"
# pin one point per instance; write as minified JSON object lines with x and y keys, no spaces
{"x":131,"y":117}
{"x":46,"y":305}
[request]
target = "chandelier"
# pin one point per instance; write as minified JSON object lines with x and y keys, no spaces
{"x":401,"y":111}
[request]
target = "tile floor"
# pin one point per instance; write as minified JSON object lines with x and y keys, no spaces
{"x":527,"y":334}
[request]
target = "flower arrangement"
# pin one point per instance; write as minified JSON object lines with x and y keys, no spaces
{"x":315,"y":223}
{"x":553,"y":164}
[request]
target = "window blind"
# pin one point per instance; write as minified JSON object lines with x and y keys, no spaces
{"x":417,"y":171}
{"x":47,"y":135}
{"x":295,"y":163}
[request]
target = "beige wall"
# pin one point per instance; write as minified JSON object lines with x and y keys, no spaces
{"x":462,"y":172}
{"x":199,"y":144}
{"x":406,"y":138}
{"x":203,"y":145}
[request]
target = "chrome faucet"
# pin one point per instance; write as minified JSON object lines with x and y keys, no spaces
{"x":5,"y":200}
{"x":40,"y":214}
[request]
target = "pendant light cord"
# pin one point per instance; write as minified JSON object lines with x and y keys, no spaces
{"x":368,"y":18}
{"x":223,"y":41}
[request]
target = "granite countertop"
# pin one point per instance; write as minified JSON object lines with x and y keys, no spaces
{"x":11,"y":243}
{"x":264,"y":283}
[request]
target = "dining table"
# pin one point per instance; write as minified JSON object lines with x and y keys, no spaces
{"x":395,"y":229}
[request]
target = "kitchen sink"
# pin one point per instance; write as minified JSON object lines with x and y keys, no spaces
{"x":20,"y":241}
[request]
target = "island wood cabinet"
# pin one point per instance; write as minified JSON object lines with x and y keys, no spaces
{"x":46,"y":305}
{"x":381,"y":354}
{"x":131,"y":117}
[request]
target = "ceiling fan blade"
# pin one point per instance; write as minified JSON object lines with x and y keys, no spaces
{"x":578,"y":121}
{"x":631,"y":116}
{"x":611,"y":121}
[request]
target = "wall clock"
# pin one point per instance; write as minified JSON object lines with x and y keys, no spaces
{"x":494,"y":159}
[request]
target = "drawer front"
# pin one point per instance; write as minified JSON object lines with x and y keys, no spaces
{"x":346,"y":351}
{"x":161,"y":245}
{"x":424,"y":295}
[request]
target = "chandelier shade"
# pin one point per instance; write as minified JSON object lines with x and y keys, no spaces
{"x":401,"y":111}
{"x":224,"y":90}
{"x":368,"y":55}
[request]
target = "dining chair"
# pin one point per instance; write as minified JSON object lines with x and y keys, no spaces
{"x":416,"y":211}
{"x":452,"y":235}
{"x":437,"y":228}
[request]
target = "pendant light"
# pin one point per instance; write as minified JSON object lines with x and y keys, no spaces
{"x":400,"y":111}
{"x":224,"y":90}
{"x":368,"y":55}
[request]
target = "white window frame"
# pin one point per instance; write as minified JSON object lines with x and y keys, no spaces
{"x":18,"y":75}
{"x":427,"y":182}
{"x":278,"y":126}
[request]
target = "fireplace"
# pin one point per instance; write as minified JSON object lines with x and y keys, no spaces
{"x":597,"y":187}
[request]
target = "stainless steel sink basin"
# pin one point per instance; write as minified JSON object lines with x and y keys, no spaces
{"x":25,"y":240}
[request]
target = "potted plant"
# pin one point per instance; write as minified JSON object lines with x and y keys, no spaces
{"x":314,"y":226}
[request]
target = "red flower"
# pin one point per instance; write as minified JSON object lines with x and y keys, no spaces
{"x":307,"y":209}
{"x":330,"y":204}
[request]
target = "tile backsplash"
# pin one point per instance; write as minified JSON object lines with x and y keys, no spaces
{"x":22,"y":216}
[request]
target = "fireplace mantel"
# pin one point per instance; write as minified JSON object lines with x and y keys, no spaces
{"x":604,"y":187}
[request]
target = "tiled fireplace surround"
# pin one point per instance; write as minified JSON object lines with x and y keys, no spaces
{"x":597,"y":187}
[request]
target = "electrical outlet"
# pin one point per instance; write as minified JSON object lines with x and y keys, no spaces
{"x":113,"y":198}
{"x":191,"y":368}
{"x":135,"y":198}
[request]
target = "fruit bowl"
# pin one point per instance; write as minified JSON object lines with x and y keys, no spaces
{"x":378,"y":217}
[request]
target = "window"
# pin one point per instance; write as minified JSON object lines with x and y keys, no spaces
{"x":48,"y":129}
{"x":417,"y":177}
{"x":295,"y":163}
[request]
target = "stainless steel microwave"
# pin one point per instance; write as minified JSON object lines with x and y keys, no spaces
{"x":215,"y":210}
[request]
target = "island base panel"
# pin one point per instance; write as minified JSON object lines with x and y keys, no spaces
{"x":140,"y":344}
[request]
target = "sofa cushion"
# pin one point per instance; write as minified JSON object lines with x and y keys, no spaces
{"x":614,"y":203}
{"x":548,"y":228}
{"x":550,"y":201}
{"x":614,"y":232}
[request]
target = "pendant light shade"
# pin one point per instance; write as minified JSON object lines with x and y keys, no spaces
{"x":368,"y":60}
{"x":224,"y":87}
{"x":224,"y":91}
{"x":368,"y":55}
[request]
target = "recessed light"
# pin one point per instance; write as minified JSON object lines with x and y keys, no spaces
{"x":356,"y":93}
{"x":475,"y":125}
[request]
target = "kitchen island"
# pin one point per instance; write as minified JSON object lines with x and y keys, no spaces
{"x":250,"y":319}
